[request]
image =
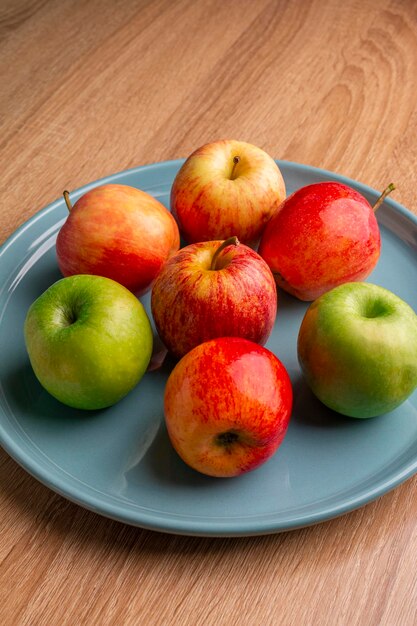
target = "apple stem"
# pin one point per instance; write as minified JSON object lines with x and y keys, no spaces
{"x":231,"y":241}
{"x":236,"y":160}
{"x":67,"y":200}
{"x":383,"y":195}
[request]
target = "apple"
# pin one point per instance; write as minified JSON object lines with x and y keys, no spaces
{"x":119,"y":232}
{"x":213,"y":289}
{"x":89,"y":341}
{"x":323,"y":235}
{"x":357,"y":348}
{"x":227,"y":406}
{"x":226,"y":188}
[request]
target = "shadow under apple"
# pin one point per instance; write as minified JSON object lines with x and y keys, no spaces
{"x":27,"y":398}
{"x":167,"y":468}
{"x":309,"y":411}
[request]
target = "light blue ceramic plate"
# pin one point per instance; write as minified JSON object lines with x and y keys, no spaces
{"x":119,"y":462}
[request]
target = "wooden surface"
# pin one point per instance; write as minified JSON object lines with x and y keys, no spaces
{"x":91,"y":88}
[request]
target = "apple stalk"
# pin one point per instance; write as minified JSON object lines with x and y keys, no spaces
{"x":236,"y":160}
{"x":383,"y":195}
{"x":65,"y":193}
{"x":231,"y":241}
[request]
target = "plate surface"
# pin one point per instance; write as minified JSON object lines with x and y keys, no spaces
{"x":119,"y":462}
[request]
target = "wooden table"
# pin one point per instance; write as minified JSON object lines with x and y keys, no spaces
{"x":91,"y":88}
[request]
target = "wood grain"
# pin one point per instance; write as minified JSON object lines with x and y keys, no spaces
{"x":89,"y":89}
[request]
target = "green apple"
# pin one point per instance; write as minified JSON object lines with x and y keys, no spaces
{"x":357,"y":347}
{"x":89,"y":341}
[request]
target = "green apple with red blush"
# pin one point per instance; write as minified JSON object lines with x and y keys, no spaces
{"x":322,"y":235}
{"x":119,"y":232}
{"x":357,"y":348}
{"x":227,"y":406}
{"x":226,"y":188}
{"x":213,"y":289}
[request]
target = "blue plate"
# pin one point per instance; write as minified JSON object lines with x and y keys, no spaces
{"x":119,"y":462}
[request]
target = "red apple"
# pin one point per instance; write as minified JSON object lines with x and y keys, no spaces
{"x":323,"y":235}
{"x":227,"y":406}
{"x":213,"y":289}
{"x":119,"y":232}
{"x":226,"y":188}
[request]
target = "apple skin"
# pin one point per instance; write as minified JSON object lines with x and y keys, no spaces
{"x":119,"y":232}
{"x":89,"y":341}
{"x":357,"y":348}
{"x":227,"y":406}
{"x":192,"y":303}
{"x":213,"y":198}
{"x":323,"y":235}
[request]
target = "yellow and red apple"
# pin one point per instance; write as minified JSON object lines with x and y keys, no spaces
{"x":227,"y":406}
{"x":213,"y":289}
{"x":119,"y":232}
{"x":226,"y":188}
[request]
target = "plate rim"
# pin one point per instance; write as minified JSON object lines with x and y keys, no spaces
{"x":167,"y":523}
